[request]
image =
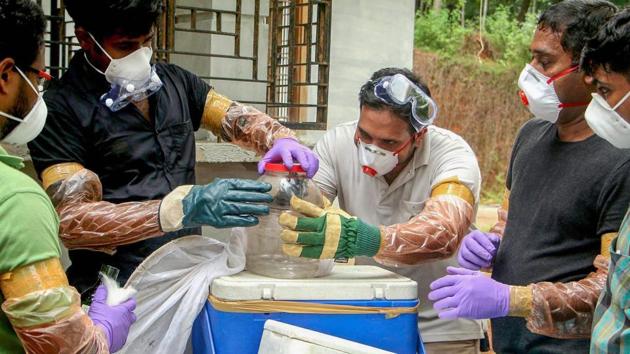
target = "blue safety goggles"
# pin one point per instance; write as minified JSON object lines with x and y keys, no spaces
{"x":399,"y":90}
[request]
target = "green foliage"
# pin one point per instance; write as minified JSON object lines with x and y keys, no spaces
{"x":441,"y":32}
{"x":509,"y":39}
{"x":492,"y":193}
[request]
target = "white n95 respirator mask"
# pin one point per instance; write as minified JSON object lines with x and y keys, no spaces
{"x":132,"y":77}
{"x":32,"y":124}
{"x":377,"y":162}
{"x":607,"y":123}
{"x":539,"y":94}
{"x":135,"y":67}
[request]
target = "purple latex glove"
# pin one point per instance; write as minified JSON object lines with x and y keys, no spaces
{"x":286,"y":150}
{"x":466,"y":293}
{"x":114,"y":320}
{"x":478,"y":250}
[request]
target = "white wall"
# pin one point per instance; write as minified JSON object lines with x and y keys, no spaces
{"x":367,"y":35}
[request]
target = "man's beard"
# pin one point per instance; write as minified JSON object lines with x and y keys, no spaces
{"x":20,"y":110}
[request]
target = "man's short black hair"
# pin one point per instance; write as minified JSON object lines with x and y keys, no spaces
{"x":610,"y":48}
{"x":577,"y":20}
{"x":22,"y":25}
{"x":367,"y":97}
{"x":105,"y":17}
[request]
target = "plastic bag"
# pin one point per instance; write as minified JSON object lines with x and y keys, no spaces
{"x":173,"y":285}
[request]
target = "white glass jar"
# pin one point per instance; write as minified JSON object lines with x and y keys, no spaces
{"x":264,"y":246}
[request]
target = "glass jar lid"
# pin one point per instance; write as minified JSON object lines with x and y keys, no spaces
{"x":280,"y":167}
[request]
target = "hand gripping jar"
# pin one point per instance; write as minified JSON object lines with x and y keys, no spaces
{"x":264,"y":246}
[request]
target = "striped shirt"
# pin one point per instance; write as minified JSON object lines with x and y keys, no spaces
{"x":611,"y":322}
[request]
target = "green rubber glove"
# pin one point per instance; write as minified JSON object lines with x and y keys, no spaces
{"x":326,"y":233}
{"x":226,"y":203}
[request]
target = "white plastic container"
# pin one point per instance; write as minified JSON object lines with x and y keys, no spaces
{"x":365,"y":293}
{"x":282,"y":338}
{"x":345,"y":282}
{"x":264,"y":247}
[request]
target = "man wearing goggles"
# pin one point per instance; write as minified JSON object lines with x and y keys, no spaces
{"x":568,"y":191}
{"x":407,"y":192}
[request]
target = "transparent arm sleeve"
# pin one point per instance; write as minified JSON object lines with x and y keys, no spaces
{"x":435,"y":233}
{"x":561,"y":310}
{"x":242,"y":125}
{"x":52,"y":321}
{"x":86,"y":221}
{"x":502,"y":213}
{"x":251,"y":129}
{"x":46,"y":313}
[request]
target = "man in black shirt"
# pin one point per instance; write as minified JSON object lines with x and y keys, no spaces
{"x":117,"y":154}
{"x":567,"y":194}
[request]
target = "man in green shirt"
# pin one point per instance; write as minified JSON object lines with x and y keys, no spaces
{"x":40,"y":313}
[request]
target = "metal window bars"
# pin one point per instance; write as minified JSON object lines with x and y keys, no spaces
{"x":299,"y":62}
{"x":231,"y":34}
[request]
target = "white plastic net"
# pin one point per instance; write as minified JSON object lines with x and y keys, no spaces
{"x":173,"y":285}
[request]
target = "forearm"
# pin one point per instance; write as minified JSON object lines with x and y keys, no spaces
{"x":71,"y":331}
{"x":560,"y":310}
{"x":46,"y":313}
{"x":242,"y":125}
{"x":433,"y":234}
{"x":103,"y":226}
{"x":86,"y":221}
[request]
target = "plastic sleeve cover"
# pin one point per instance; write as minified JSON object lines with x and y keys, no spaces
{"x":252,"y":129}
{"x":502,"y":213}
{"x":52,"y":321}
{"x":88,"y":222}
{"x":565,"y":310}
{"x":435,"y":233}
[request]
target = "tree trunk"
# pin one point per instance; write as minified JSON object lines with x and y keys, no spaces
{"x":523,"y":11}
{"x":437,"y":5}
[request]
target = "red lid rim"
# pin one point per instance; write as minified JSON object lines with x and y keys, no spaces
{"x":280,"y":167}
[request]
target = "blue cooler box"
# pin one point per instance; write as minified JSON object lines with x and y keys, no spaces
{"x":371,"y":306}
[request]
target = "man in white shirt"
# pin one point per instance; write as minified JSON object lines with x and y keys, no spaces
{"x":412,"y":190}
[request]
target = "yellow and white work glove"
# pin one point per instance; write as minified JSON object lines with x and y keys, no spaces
{"x":326,"y":232}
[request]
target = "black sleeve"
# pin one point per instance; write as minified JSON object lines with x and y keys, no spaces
{"x":62,"y":138}
{"x":508,"y":175}
{"x":197,"y":91}
{"x":614,"y":199}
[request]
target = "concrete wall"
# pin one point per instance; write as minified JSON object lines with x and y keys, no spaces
{"x":366,"y":35}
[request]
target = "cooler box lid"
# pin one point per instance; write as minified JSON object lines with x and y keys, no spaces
{"x":344,"y":283}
